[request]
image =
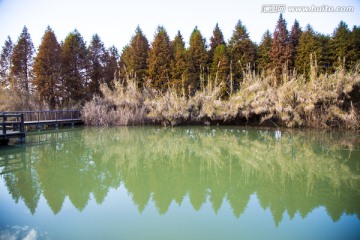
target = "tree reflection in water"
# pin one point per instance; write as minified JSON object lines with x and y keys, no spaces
{"x":290,"y":171}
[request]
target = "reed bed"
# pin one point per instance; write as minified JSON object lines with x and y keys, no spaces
{"x":320,"y":101}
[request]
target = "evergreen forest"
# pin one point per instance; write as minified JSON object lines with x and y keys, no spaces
{"x":294,"y":77}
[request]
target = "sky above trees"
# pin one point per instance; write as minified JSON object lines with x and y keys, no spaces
{"x":116,"y":21}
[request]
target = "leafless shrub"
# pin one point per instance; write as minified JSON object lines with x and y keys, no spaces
{"x":11,"y":100}
{"x":322,"y":101}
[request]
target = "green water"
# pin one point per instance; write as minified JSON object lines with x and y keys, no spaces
{"x":181,"y":183}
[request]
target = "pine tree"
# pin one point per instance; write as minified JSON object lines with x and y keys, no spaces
{"x":5,"y":63}
{"x":220,"y":67}
{"x":111,"y":70}
{"x":138,"y":54}
{"x":197,"y":60}
{"x":216,"y":39}
{"x":96,"y":55}
{"x":324,"y":58}
{"x":125,"y":62}
{"x":354,"y":51}
{"x":264,"y":60}
{"x":159,"y":60}
{"x":309,"y":44}
{"x":294,"y":38}
{"x":178,"y":63}
{"x":21,"y":62}
{"x":242,"y":52}
{"x":74,"y":66}
{"x":47,"y":67}
{"x":340,"y":45}
{"x":280,"y":51}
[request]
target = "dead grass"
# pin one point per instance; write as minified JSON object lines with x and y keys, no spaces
{"x":11,"y":100}
{"x":322,"y":101}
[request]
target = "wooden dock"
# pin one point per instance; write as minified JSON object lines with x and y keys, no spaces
{"x":16,"y":124}
{"x":12,"y":126}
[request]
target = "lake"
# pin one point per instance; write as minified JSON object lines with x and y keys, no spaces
{"x":188,"y":182}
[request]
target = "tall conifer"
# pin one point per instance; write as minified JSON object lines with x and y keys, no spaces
{"x":197,"y":60}
{"x":242,"y":51}
{"x":138,"y":55}
{"x":294,"y":38}
{"x":111,"y":69}
{"x":309,"y":44}
{"x":160,"y":56}
{"x":216,"y":39}
{"x":354,"y":51}
{"x":74,"y":68}
{"x":97,"y":58}
{"x":47,"y":67}
{"x":281,"y":49}
{"x":340,"y":45}
{"x":220,"y":67}
{"x":178,"y":63}
{"x":125,"y":62}
{"x":5,"y":63}
{"x":264,"y":60}
{"x":22,"y":61}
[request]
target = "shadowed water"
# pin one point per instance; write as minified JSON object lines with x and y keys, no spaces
{"x":181,"y":183}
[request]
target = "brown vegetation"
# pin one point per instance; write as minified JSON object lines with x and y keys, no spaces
{"x":322,"y":101}
{"x":15,"y":100}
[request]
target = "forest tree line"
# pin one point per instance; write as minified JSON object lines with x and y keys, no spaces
{"x":69,"y":73}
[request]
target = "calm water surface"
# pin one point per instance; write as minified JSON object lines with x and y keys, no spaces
{"x":181,"y":183}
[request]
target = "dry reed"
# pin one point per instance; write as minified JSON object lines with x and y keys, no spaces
{"x":322,"y":101}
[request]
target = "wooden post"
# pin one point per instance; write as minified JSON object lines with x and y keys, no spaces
{"x":4,"y":124}
{"x":56,"y":120}
{"x":22,"y":128}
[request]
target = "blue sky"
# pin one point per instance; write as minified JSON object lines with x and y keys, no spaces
{"x":115,"y":20}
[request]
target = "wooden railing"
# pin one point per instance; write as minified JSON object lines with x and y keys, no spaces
{"x":11,"y":123}
{"x":49,"y":115}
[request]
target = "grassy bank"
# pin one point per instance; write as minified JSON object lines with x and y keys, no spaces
{"x":321,"y":101}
